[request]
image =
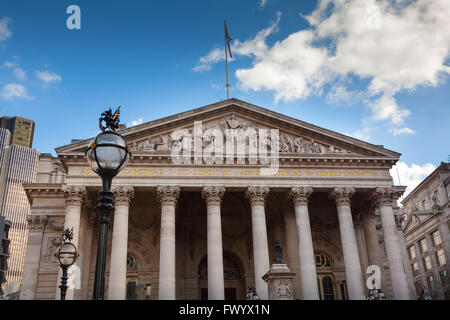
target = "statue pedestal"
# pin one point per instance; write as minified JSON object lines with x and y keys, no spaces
{"x":279,"y":282}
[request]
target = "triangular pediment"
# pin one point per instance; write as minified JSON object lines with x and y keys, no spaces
{"x":415,"y":219}
{"x":296,"y":137}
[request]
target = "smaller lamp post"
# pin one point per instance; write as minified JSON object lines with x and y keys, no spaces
{"x":66,"y":255}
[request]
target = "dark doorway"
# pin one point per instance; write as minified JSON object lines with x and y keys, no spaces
{"x":230,"y":294}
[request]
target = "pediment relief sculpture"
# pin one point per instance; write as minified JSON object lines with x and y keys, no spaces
{"x":288,"y":143}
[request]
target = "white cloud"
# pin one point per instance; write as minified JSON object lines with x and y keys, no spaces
{"x":255,"y":47}
{"x":386,"y":108}
{"x":5,"y":32}
{"x":393,"y":45}
{"x":20,"y":73}
{"x":362,"y":134}
{"x":218,"y":87}
{"x":205,"y":63}
{"x":48,"y":77}
{"x":9,"y":64}
{"x":136,"y":122}
{"x":410,"y":176}
{"x":14,"y":90}
{"x":339,"y":94}
{"x":263,"y":3}
{"x":396,"y":131}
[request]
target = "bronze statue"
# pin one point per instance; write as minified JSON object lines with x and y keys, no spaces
{"x":111,"y":120}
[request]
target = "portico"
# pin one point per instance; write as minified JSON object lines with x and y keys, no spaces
{"x":197,"y":230}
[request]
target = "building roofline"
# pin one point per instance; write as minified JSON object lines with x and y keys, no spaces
{"x":441,"y":167}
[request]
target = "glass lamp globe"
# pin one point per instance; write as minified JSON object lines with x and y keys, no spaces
{"x":108,"y":152}
{"x":67,"y":254}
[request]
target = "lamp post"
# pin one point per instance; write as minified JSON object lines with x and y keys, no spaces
{"x":107,"y":155}
{"x":66,"y":255}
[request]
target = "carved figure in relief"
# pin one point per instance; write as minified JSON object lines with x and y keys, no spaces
{"x":233,"y":122}
{"x":283,"y":290}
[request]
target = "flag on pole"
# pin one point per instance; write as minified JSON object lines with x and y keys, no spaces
{"x":227,"y":38}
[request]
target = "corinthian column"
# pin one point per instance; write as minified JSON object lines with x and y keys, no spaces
{"x":74,"y":199}
{"x":299,"y":196}
{"x":257,"y":196}
{"x":119,"y":246}
{"x":383,"y":198}
{"x":349,"y":246}
{"x":168,"y":195}
{"x":213,"y":198}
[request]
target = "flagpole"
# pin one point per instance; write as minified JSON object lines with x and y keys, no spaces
{"x":226,"y":62}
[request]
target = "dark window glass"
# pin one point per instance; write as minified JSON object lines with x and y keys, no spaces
{"x":132,"y":290}
{"x":445,"y":279}
{"x":328,"y":289}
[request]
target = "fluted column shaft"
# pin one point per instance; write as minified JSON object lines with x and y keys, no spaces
{"x":349,"y":246}
{"x":119,"y":246}
{"x":75,"y":196}
{"x":257,"y":196}
{"x":168,"y":195}
{"x":384,"y":198}
{"x":299,"y":196}
{"x":213,"y":198}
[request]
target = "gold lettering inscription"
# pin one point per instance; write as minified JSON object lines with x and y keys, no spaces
{"x":242,"y":172}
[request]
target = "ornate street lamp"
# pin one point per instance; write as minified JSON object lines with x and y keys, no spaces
{"x":66,"y":255}
{"x":107,"y":155}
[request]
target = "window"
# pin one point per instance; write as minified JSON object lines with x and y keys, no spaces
{"x":132,"y":290}
{"x":427,"y":263}
{"x":325,"y":283}
{"x":440,"y":256}
{"x":415,"y":268}
{"x":424,"y":204}
{"x":431,"y":285}
{"x":322,"y":260}
{"x":132,"y":262}
{"x":423,"y":245}
{"x":412,"y":252}
{"x":445,"y":279}
{"x":436,"y":238}
{"x":343,"y":288}
{"x":419,"y":288}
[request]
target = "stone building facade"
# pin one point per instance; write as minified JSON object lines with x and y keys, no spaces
{"x":205,"y":230}
{"x":427,"y":236}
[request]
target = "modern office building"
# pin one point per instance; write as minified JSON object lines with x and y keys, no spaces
{"x":198,"y":229}
{"x":18,"y":166}
{"x":427,"y":233}
{"x":21,"y":129}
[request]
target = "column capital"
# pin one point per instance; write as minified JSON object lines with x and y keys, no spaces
{"x":385,"y":195}
{"x":74,"y":194}
{"x":123,"y":195}
{"x":257,"y":194}
{"x":300,"y":195}
{"x":36,"y":222}
{"x":342,"y":195}
{"x":213,"y":194}
{"x":168,"y":195}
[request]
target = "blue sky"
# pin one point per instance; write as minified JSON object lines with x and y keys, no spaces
{"x":370,"y":69}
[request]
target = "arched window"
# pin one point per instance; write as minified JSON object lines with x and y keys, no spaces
{"x":323,"y":260}
{"x":132,"y":262}
{"x":132,"y":283}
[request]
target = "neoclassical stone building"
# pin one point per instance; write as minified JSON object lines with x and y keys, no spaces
{"x":427,"y":233}
{"x":202,"y":230}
